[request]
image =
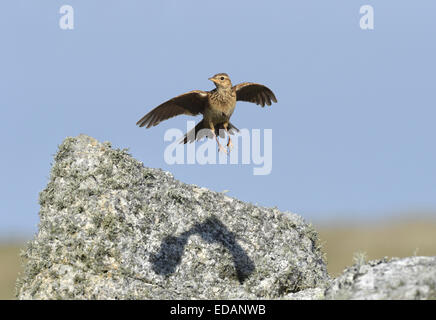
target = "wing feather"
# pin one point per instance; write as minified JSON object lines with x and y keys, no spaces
{"x":254,"y":92}
{"x":190,"y":103}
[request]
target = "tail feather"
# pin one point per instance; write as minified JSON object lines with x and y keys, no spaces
{"x":200,"y":131}
{"x":232,"y":129}
{"x":197,"y":133}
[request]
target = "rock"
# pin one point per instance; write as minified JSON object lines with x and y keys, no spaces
{"x":407,"y":278}
{"x":112,"y":229}
{"x":307,"y":294}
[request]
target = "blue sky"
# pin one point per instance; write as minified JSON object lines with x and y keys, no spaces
{"x":353,"y":131}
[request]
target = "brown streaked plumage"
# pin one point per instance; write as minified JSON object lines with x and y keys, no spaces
{"x":216,"y":106}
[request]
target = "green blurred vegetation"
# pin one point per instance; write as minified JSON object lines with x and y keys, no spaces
{"x":10,"y":266}
{"x":375,"y":241}
{"x":340,"y":243}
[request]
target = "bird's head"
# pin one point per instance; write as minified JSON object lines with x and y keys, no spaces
{"x":221,"y":80}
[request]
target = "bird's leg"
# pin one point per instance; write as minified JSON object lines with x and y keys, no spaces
{"x":220,"y":147}
{"x":229,"y":143}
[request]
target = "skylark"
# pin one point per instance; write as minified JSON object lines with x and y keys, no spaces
{"x":216,"y":106}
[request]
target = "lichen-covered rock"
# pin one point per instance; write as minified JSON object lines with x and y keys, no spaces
{"x":307,"y":294}
{"x":407,"y":278}
{"x":112,"y":229}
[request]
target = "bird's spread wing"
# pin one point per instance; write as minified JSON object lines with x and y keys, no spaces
{"x":254,"y":92}
{"x":190,"y":103}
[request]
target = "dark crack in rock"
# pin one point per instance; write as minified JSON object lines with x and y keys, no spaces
{"x":111,"y":228}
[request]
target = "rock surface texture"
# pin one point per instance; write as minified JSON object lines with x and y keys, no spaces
{"x":407,"y":278}
{"x":111,"y":228}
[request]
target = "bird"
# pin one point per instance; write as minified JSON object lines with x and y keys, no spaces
{"x":216,"y":106}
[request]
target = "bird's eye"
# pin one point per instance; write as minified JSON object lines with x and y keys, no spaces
{"x":222,"y":78}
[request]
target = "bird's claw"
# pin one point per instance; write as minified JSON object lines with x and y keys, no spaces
{"x":221,"y":148}
{"x":230,"y":145}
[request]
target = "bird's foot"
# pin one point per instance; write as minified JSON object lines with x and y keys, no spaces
{"x":230,"y":145}
{"x":221,"y":148}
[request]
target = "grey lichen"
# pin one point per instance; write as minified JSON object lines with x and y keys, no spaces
{"x":112,"y":229}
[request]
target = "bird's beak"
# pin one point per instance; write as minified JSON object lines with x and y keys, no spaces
{"x":212,"y":79}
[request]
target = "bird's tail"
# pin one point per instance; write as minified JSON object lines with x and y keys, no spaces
{"x":200,"y":131}
{"x":197,"y":133}
{"x":221,"y":132}
{"x":232,"y":129}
